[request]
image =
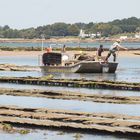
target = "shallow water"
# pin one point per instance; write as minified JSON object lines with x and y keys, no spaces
{"x":59,"y":135}
{"x":83,"y":106}
{"x":80,"y":90}
{"x":69,"y":44}
{"x":20,"y":73}
{"x":128,"y":70}
{"x":19,"y":60}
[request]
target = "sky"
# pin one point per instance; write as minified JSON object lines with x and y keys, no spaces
{"x":19,"y":14}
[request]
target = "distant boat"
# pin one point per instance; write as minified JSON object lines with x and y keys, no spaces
{"x":53,"y":62}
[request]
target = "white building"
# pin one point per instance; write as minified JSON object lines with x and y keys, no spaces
{"x":137,"y":35}
{"x":82,"y":34}
{"x":123,"y":37}
{"x":91,"y":35}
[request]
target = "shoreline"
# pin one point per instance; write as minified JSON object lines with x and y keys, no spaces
{"x":65,"y":39}
{"x":134,"y":53}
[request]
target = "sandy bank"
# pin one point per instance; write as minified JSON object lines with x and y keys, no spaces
{"x":135,"y":53}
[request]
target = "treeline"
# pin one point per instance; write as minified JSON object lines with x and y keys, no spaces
{"x":129,"y":25}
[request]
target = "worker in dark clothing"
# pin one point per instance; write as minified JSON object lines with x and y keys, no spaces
{"x":99,"y":52}
{"x":64,"y":48}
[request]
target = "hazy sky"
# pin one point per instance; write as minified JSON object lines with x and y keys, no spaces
{"x":32,"y":13}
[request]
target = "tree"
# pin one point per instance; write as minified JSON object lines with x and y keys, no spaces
{"x":104,"y":28}
{"x":126,"y":25}
{"x":116,"y":30}
{"x":6,"y":27}
{"x":81,"y":25}
{"x":28,"y":33}
{"x":73,"y":30}
{"x":59,"y":29}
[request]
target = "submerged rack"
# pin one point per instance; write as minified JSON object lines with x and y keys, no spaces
{"x":73,"y":83}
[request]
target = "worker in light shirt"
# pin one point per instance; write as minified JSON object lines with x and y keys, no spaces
{"x":113,"y":49}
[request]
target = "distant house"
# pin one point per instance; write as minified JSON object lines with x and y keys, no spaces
{"x":92,"y":35}
{"x":137,"y":35}
{"x":82,"y":34}
{"x":98,"y":34}
{"x":123,"y":37}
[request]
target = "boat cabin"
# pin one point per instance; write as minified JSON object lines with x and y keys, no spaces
{"x":52,"y":58}
{"x":57,"y":59}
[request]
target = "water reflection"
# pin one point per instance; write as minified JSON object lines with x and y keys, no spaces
{"x":120,"y":75}
{"x":37,"y":134}
{"x":128,"y":70}
{"x":69,"y":44}
{"x":88,"y":76}
{"x":20,"y":73}
{"x":83,"y":106}
{"x":69,"y":89}
{"x":19,"y":60}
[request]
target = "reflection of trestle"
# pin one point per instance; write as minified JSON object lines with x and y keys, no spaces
{"x":73,"y":83}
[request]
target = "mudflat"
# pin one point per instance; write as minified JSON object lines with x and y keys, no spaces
{"x":132,"y":53}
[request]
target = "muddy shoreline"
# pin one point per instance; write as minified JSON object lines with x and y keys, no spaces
{"x":88,"y":51}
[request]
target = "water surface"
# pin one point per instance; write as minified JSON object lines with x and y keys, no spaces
{"x":128,"y":70}
{"x":59,"y":135}
{"x":83,"y":106}
{"x":68,"y":44}
{"x":78,"y":90}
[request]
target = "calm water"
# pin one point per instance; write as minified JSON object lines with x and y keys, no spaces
{"x":83,"y":106}
{"x":128,"y":69}
{"x":68,"y":105}
{"x":69,"y":44}
{"x":78,"y":90}
{"x":59,"y":135}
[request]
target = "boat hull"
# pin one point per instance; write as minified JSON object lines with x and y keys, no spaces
{"x":83,"y":67}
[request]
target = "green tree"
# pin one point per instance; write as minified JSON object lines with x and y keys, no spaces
{"x":6,"y":27}
{"x":28,"y":33}
{"x":59,"y":29}
{"x":73,"y":30}
{"x":104,"y":28}
{"x":116,"y":30}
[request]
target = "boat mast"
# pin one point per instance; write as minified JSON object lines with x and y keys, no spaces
{"x":42,"y":46}
{"x":42,"y":49}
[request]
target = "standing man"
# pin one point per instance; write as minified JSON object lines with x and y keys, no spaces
{"x":113,"y":49}
{"x":99,"y":52}
{"x":64,"y":48}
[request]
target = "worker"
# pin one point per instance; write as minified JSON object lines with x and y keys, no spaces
{"x":99,"y":52}
{"x":113,"y":49}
